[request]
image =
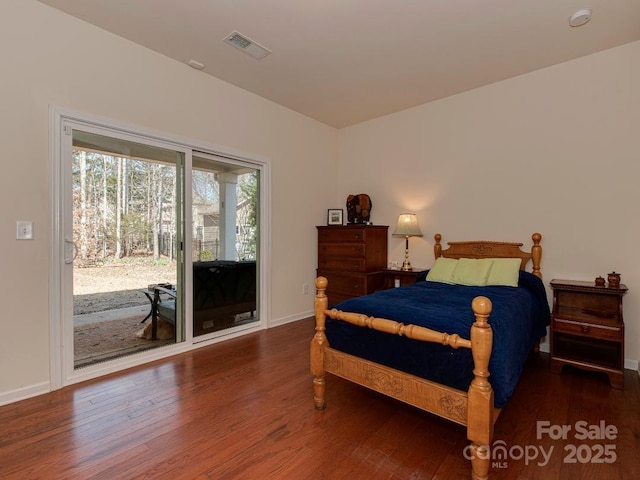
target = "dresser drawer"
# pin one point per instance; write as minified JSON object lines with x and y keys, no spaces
{"x":602,"y":332}
{"x":332,"y":262}
{"x":342,"y":250}
{"x":342,"y":235}
{"x":349,"y":285}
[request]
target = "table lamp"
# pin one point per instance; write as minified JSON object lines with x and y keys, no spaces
{"x":407,"y":227}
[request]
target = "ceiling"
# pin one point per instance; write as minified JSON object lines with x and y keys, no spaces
{"x":347,"y":61}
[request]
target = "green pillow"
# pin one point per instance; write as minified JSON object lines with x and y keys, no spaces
{"x":504,"y":271}
{"x":442,"y":270}
{"x":472,"y":271}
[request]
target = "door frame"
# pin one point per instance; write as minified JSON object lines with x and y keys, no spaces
{"x":61,"y":372}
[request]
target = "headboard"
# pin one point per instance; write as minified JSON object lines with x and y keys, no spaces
{"x":486,"y":249}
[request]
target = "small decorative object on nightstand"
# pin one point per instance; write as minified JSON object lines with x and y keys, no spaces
{"x":587,"y":328}
{"x":614,"y":279}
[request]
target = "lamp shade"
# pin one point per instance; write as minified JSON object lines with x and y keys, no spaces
{"x":407,"y":226}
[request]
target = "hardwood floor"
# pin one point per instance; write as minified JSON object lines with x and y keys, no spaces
{"x":243,"y":409}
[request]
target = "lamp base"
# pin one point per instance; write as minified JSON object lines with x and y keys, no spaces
{"x":406,"y":265}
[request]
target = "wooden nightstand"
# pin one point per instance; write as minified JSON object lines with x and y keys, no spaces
{"x":587,"y":329}
{"x":406,"y":278}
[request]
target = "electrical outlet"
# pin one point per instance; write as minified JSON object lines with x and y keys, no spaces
{"x":305,"y":288}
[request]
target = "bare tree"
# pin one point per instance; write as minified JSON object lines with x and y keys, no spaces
{"x":105,"y":206}
{"x":157,"y":211}
{"x":83,"y":206}
{"x":122,"y":206}
{"x":118,"y":252}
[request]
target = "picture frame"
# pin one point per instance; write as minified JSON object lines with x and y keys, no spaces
{"x":335,"y":216}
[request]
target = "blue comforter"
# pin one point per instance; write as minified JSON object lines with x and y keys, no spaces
{"x":519,"y":319}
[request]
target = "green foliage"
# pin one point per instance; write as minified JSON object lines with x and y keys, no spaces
{"x":206,"y":255}
{"x":249,"y":190}
{"x":247,"y":242}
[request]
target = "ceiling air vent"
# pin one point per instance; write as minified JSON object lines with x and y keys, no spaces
{"x":247,"y":45}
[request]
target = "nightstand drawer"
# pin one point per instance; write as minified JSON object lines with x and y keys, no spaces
{"x":602,"y":332}
{"x":404,"y":277}
{"x":330,"y":262}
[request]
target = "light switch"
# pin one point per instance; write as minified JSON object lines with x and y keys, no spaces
{"x":25,"y":230}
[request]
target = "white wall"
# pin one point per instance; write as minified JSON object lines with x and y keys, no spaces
{"x":556,"y":151}
{"x":50,"y":58}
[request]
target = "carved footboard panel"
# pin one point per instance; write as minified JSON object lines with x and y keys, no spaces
{"x":433,"y":397}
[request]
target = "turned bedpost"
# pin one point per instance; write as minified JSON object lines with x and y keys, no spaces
{"x":318,"y":343}
{"x":437,"y":247}
{"x":536,"y":254}
{"x":480,"y":405}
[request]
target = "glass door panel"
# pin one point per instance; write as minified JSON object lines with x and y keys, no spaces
{"x":224,"y":250}
{"x":127,"y":238}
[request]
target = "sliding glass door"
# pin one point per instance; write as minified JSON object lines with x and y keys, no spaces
{"x":155,"y":246}
{"x":225,"y":213}
{"x":126,"y":236}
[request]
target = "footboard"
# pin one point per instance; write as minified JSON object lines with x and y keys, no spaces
{"x":474,"y":408}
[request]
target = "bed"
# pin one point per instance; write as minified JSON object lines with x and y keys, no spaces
{"x":431,"y":344}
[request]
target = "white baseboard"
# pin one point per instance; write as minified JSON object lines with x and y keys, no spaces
{"x":24,"y":393}
{"x":290,"y":319}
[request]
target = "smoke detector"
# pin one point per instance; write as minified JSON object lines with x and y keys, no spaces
{"x":248,"y":46}
{"x":580,"y":17}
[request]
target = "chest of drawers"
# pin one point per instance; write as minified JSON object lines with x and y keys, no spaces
{"x":352,"y":258}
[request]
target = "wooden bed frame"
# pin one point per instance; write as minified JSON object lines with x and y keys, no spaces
{"x":474,"y":408}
